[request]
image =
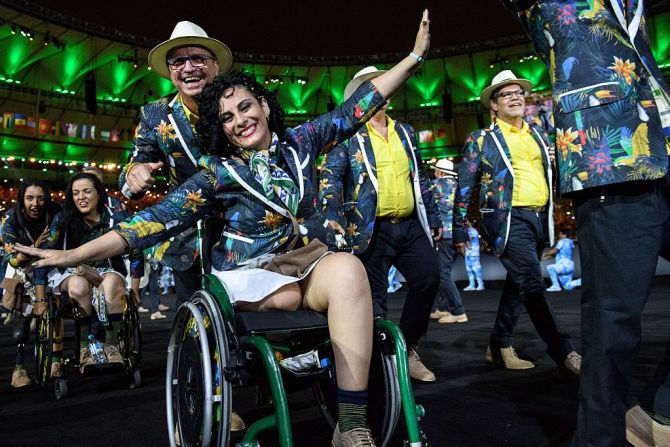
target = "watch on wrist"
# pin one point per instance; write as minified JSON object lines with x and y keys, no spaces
{"x":418,"y":58}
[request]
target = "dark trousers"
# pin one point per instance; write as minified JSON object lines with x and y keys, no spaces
{"x":405,"y":245}
{"x":620,"y":232}
{"x":154,"y":292}
{"x":186,"y":282}
{"x":524,"y":286}
{"x":448,"y":296}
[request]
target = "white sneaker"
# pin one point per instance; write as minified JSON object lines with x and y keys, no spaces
{"x":469,"y":289}
{"x":163,"y":307}
{"x":481,"y":287}
{"x":158,"y":315}
{"x":554,"y":289}
{"x":142,"y":310}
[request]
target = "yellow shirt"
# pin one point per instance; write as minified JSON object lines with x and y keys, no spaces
{"x":395,"y":197}
{"x":530,"y":182}
{"x":190,"y":116}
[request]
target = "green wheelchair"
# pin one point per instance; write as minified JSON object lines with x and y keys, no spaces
{"x":212,"y":349}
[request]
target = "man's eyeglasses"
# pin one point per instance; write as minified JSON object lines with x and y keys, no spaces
{"x":508,"y":95}
{"x":197,"y":61}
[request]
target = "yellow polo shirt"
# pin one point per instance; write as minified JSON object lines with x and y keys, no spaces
{"x":530,"y":183}
{"x":395,"y":198}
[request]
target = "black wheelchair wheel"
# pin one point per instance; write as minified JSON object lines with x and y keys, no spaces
{"x":384,"y":403}
{"x":44,"y":338}
{"x":198,"y":395}
{"x":130,"y":338}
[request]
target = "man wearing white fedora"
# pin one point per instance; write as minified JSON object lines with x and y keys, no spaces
{"x":374,"y":186}
{"x":449,"y":302}
{"x":511,"y":163}
{"x":164,"y":139}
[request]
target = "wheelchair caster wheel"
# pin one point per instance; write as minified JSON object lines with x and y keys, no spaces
{"x":135,"y":379}
{"x":60,"y":388}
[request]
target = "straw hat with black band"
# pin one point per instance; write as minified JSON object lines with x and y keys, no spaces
{"x":365,"y":74}
{"x":505,"y":77}
{"x":188,"y":34}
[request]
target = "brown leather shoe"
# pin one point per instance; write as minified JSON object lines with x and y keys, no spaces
{"x":437,"y":314}
{"x":643,"y":431}
{"x":357,"y":437}
{"x":509,"y":358}
{"x":20,"y":378}
{"x":417,"y":370}
{"x":112,"y":353}
{"x":236,"y":422}
{"x":454,"y":319}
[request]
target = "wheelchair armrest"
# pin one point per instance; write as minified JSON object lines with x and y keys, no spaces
{"x":249,"y":322}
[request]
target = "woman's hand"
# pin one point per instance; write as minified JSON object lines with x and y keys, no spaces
{"x":422,"y":42}
{"x":43,"y":237}
{"x":48,"y":258}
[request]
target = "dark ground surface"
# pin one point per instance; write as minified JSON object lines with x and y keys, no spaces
{"x":471,"y":404}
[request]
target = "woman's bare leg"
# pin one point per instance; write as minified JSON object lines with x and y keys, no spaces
{"x":338,"y":285}
{"x":287,"y":297}
{"x":114,"y":288}
{"x":79,"y":290}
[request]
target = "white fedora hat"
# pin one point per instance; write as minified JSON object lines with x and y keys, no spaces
{"x":446,"y":166}
{"x":359,"y":78}
{"x":188,"y":34}
{"x":505,"y":77}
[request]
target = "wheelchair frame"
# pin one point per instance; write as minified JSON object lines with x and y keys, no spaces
{"x":199,"y":403}
{"x":129,"y":340}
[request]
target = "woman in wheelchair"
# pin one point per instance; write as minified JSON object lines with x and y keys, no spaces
{"x":27,"y":223}
{"x":98,"y":288}
{"x":262,"y":183}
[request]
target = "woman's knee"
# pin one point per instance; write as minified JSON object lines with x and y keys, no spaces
{"x":78,"y":288}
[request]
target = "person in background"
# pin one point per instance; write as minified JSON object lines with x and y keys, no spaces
{"x":612,"y":118}
{"x":562,"y":270}
{"x":27,"y":223}
{"x":164,"y":138}
{"x":153,"y":286}
{"x":473,"y":265}
{"x":374,"y":186}
{"x":449,"y":302}
{"x":509,"y":163}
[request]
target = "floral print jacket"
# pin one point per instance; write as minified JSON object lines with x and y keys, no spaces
{"x":349,"y":187}
{"x":608,"y":127}
{"x":253,"y":225}
{"x":165,"y":134}
{"x":487,"y":165}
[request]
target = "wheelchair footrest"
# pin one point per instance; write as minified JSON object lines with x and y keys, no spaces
{"x":277,"y":321}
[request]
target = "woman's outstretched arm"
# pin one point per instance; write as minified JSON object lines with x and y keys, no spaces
{"x":106,"y":246}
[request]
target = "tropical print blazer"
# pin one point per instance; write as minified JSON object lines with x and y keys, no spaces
{"x":59,"y":238}
{"x":444,"y":190}
{"x":487,"y":164}
{"x":165,"y":134}
{"x":608,"y":128}
{"x":349,"y":187}
{"x":252,"y":224}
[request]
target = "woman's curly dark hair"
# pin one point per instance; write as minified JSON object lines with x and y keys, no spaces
{"x":211,"y":138}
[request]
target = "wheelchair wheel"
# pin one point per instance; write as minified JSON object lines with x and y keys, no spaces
{"x":198,"y":396}
{"x":44,"y":338}
{"x":130,"y":338}
{"x":384,"y":404}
